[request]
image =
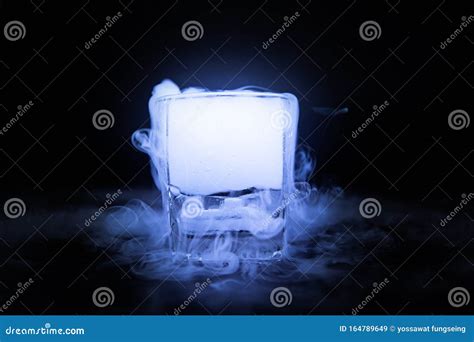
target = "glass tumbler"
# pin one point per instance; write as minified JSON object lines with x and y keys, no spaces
{"x":224,"y":163}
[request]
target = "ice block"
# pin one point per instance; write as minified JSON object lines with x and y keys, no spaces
{"x":224,"y":143}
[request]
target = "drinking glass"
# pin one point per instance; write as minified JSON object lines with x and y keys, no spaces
{"x":224,"y":163}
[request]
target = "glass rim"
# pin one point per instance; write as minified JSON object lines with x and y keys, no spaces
{"x":224,"y":93}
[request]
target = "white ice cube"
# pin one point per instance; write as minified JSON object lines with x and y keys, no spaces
{"x":224,"y":143}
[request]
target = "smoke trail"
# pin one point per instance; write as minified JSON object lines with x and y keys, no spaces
{"x":143,"y":239}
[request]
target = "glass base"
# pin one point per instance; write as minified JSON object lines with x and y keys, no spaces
{"x":248,"y":224}
{"x":241,"y":244}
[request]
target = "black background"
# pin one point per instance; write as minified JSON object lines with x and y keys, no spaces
{"x":54,"y":158}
